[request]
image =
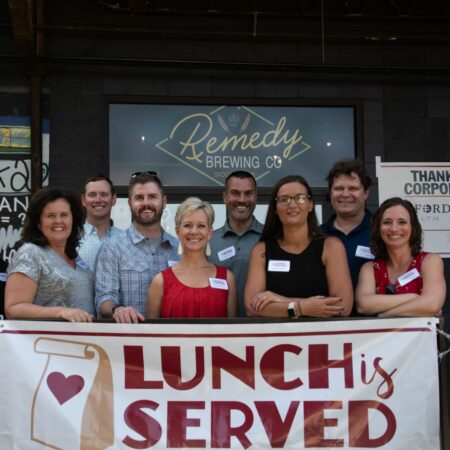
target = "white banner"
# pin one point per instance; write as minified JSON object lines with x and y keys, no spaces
{"x":346,"y":384}
{"x":427,"y":187}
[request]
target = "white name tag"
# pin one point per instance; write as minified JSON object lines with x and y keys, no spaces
{"x":218,"y":283}
{"x":364,"y":252}
{"x":408,"y":276}
{"x":3,"y":276}
{"x":171,"y":263}
{"x":279,"y":265}
{"x":226,"y":253}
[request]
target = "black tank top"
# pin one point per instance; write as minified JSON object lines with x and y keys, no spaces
{"x":306,"y":276}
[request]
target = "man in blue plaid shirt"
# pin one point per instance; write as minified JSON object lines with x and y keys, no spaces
{"x":127,"y":263}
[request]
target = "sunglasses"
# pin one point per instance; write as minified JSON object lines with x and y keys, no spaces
{"x":146,"y":172}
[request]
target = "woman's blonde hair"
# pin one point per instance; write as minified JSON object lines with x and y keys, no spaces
{"x":190,"y":205}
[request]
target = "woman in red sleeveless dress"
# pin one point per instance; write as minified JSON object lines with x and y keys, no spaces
{"x":402,"y":280}
{"x":193,"y":287}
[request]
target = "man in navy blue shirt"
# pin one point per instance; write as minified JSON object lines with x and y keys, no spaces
{"x":349,"y":184}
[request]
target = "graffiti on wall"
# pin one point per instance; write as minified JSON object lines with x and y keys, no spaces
{"x":15,"y":178}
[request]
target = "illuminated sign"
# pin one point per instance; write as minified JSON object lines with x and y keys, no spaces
{"x":199,"y":145}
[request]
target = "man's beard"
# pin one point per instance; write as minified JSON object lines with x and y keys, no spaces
{"x":156,"y":218}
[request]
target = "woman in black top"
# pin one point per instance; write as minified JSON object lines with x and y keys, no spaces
{"x":295,"y":270}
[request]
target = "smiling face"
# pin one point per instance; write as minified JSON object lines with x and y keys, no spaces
{"x":347,"y":195}
{"x":194,"y":231}
{"x":293,"y":213}
{"x":146,"y":204}
{"x":395,"y":227}
{"x":98,"y":200}
{"x":240,"y":200}
{"x":56,"y":222}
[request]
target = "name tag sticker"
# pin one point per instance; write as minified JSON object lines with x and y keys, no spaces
{"x":364,"y":252}
{"x":408,"y":277}
{"x":279,"y":265}
{"x":3,"y":276}
{"x":171,"y":263}
{"x":218,"y":283}
{"x":226,"y":253}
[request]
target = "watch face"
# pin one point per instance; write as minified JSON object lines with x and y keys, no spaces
{"x":291,"y":311}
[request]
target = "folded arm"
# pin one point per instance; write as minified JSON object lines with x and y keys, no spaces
{"x":427,"y":303}
{"x":263,"y":303}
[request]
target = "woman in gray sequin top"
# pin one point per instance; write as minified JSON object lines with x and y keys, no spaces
{"x":46,"y":278}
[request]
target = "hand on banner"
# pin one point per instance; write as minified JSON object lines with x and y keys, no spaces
{"x":75,"y":315}
{"x":127,"y":314}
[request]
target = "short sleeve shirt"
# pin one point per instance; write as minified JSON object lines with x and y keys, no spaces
{"x":58,"y":284}
{"x":232,"y":251}
{"x":360,"y":235}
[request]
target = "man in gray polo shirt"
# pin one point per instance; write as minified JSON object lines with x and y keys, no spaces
{"x":231,"y":244}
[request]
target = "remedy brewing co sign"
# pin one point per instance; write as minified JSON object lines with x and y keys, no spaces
{"x":199,"y":145}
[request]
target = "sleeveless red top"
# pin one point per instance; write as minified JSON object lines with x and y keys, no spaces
{"x":382,"y":278}
{"x":181,"y":301}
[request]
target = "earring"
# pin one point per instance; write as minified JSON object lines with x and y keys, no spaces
{"x":208,"y":249}
{"x":180,"y":249}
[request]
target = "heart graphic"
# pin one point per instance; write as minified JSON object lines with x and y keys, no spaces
{"x":64,"y":388}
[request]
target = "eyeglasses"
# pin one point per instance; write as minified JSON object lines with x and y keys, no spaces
{"x":299,"y":199}
{"x":146,"y":172}
{"x":390,"y":289}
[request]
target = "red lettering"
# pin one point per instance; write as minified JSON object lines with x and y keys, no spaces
{"x":319,"y":365}
{"x":358,"y":424}
{"x":315,"y":423}
{"x":134,"y":369}
{"x":276,"y":428}
{"x":272,"y":367}
{"x":142,"y":423}
{"x":221,"y":429}
{"x":387,"y":378}
{"x":171,"y":367}
{"x":177,"y":422}
{"x":243,"y":370}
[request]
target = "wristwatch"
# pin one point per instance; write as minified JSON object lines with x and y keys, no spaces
{"x":293,"y":314}
{"x":113,"y":309}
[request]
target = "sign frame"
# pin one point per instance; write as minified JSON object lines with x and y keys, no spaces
{"x":212,"y":193}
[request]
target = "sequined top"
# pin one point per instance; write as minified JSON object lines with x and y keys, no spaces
{"x":58,"y":284}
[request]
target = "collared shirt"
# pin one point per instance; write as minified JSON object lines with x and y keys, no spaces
{"x":360,"y":235}
{"x":127,"y":264}
{"x":236,"y":257}
{"x":91,"y":243}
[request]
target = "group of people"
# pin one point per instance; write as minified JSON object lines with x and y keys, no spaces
{"x":354,"y":263}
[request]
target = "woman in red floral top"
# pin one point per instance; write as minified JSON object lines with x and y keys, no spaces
{"x":402,"y":280}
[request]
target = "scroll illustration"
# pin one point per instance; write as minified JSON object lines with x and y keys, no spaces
{"x":73,"y":405}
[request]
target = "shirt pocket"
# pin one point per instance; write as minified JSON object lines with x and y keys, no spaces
{"x":135,"y":276}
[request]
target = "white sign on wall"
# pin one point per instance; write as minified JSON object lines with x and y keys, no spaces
{"x":427,"y":187}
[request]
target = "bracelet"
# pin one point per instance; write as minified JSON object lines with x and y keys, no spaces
{"x":113,"y":309}
{"x":299,"y":309}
